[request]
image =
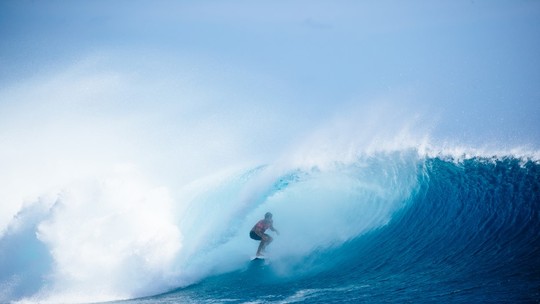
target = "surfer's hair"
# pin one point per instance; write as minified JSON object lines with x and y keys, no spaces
{"x":268,"y":215}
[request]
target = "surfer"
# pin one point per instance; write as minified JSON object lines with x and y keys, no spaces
{"x":257,"y":232}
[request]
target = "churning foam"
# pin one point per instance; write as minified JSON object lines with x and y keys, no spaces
{"x":108,"y":238}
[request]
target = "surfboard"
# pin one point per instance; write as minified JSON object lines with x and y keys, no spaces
{"x":258,"y":258}
{"x":259,"y":262}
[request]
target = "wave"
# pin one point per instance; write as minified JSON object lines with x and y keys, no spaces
{"x":470,"y":232}
{"x":389,"y":218}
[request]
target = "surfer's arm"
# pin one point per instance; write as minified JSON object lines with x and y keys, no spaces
{"x":274,"y":229}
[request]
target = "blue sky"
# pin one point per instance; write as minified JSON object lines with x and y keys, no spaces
{"x":465,"y":61}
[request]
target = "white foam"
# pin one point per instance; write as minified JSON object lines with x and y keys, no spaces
{"x":109,"y":239}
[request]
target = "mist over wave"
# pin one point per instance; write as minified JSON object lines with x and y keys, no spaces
{"x":121,"y":238}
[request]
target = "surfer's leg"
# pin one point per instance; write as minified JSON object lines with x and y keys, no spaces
{"x":267,"y":240}
{"x":260,"y":249}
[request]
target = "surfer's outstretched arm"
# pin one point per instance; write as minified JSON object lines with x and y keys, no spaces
{"x":275,"y":230}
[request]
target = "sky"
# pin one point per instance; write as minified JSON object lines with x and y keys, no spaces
{"x":181,"y":89}
{"x":469,"y":61}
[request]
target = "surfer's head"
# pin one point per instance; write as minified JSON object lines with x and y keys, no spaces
{"x":268,"y":216}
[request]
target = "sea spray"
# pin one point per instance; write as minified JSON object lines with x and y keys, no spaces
{"x":122,"y":237}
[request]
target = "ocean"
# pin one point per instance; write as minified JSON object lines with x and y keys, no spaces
{"x":388,"y":227}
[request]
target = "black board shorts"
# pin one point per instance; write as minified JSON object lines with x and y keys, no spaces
{"x":254,"y":236}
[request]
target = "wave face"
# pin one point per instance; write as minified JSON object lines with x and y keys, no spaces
{"x":469,"y":232}
{"x":389,"y":227}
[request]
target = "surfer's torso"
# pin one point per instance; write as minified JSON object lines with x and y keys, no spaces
{"x":262,"y":225}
